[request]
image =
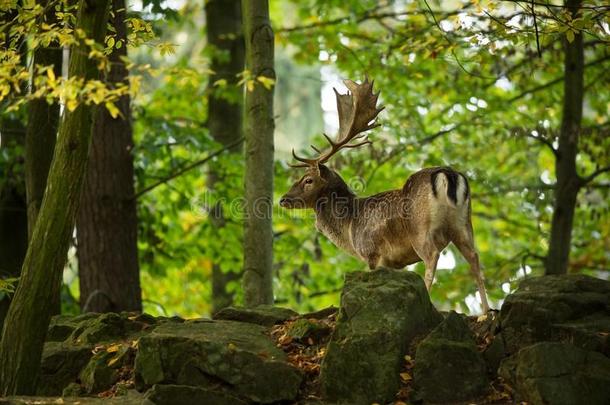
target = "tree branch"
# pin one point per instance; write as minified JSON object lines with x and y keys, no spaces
{"x":186,"y":168}
{"x":554,"y":81}
{"x":586,"y":180}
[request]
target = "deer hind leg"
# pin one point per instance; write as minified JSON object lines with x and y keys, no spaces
{"x":429,"y":253}
{"x":465,"y":244}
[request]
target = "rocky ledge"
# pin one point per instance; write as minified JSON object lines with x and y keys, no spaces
{"x":386,"y":343}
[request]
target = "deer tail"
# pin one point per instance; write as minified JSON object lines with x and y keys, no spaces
{"x":450,"y":183}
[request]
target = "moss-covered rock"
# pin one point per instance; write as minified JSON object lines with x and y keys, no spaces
{"x":71,"y":339}
{"x":265,"y":315}
{"x":111,"y":327}
{"x":102,"y":370}
{"x":61,"y":365}
{"x":381,"y":313}
{"x":208,"y":353}
{"x":186,"y":395}
{"x":304,"y":329}
{"x":558,"y":374}
{"x":131,"y":398}
{"x":568,"y":308}
{"x":448,"y":366}
{"x":62,"y":326}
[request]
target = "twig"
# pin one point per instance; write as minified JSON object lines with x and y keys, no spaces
{"x":584,"y":181}
{"x":186,"y":168}
{"x":554,"y":81}
{"x":536,"y":29}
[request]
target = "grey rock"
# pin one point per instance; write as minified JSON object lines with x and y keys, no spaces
{"x":558,"y":374}
{"x":448,"y":366}
{"x":265,"y":315}
{"x":568,"y":308}
{"x":207,"y":353}
{"x":186,"y":395}
{"x":381,"y":314}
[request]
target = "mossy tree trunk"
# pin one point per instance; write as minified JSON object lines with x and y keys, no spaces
{"x":28,"y":317}
{"x":568,"y":180}
{"x":106,"y":223}
{"x":258,"y":235}
{"x":225,"y":123}
{"x":43,"y":120}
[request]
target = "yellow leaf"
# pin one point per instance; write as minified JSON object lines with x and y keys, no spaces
{"x":405,"y":376}
{"x":408,"y":358}
{"x":51,"y":75}
{"x":71,"y":105}
{"x":113,"y":348}
{"x":113,"y":360}
{"x":268,"y":82}
{"x":231,"y":346}
{"x":110,"y":42}
{"x":220,"y":83}
{"x":112,"y":109}
{"x":570,"y":36}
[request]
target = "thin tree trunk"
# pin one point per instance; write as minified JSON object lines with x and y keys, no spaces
{"x":28,"y":317}
{"x":107,"y":248}
{"x":225,"y":123}
{"x":568,"y":181}
{"x":43,"y":119}
{"x":258,"y":235}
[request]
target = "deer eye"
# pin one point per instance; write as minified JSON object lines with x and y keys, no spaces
{"x":308,"y":181}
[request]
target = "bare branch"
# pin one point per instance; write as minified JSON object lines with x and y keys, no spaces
{"x":585,"y":180}
{"x":554,"y":81}
{"x":186,"y":168}
{"x":540,"y":138}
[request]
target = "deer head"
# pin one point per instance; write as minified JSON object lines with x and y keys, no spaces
{"x":357,"y":113}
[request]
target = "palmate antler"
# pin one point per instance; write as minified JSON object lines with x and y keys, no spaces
{"x":357,"y":114}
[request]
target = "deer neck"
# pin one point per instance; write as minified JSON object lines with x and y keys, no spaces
{"x":334,"y":214}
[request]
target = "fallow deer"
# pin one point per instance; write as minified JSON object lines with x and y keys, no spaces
{"x":394,"y":228}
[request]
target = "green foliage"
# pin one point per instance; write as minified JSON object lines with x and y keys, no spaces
{"x":469,"y":95}
{"x":472,"y":84}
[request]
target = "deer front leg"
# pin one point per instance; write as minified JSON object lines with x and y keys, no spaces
{"x":373,"y":261}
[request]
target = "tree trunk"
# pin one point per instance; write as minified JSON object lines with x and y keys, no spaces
{"x":107,"y":247}
{"x":43,"y":119}
{"x":225,"y":123}
{"x":258,"y":235}
{"x":568,"y":181}
{"x":28,"y":317}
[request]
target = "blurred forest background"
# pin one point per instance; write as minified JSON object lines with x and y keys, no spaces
{"x":478,"y":85}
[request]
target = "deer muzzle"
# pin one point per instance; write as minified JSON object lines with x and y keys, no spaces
{"x":290,"y":202}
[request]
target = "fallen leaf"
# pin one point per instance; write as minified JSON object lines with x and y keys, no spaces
{"x":113,"y":348}
{"x":482,"y":318}
{"x":405,"y":376}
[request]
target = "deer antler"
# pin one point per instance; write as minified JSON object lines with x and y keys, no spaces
{"x":357,"y":113}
